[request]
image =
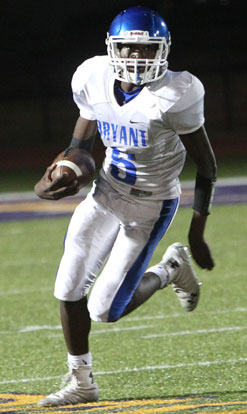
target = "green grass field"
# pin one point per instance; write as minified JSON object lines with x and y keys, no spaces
{"x":159,"y":359}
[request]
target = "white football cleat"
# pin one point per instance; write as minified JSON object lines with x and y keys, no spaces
{"x":81,"y":388}
{"x":182,"y":277}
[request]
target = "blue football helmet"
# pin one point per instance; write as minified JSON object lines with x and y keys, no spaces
{"x":139,"y":25}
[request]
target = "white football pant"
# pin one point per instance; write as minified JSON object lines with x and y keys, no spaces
{"x":117,"y":233}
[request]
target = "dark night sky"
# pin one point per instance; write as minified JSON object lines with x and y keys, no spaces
{"x":42,"y":42}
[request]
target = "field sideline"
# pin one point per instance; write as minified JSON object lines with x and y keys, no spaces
{"x":159,"y":359}
{"x":26,"y":205}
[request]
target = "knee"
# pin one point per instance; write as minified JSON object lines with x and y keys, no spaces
{"x":104,"y":314}
{"x":96,"y":315}
{"x":101,"y":313}
{"x":105,"y":306}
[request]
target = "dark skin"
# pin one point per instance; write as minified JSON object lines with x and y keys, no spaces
{"x":135,"y":51}
{"x":200,"y":151}
{"x":52,"y":190}
{"x":74,"y":315}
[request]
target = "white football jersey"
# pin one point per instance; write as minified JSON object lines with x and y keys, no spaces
{"x":144,"y":154}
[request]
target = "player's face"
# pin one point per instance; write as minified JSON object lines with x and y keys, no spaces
{"x":137,"y":51}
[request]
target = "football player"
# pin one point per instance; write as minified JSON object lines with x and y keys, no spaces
{"x":148,"y":117}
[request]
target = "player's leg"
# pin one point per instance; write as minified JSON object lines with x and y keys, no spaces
{"x":128,"y":261}
{"x":175,"y":269}
{"x":123,"y":285}
{"x":89,"y":239}
{"x":75,"y":332}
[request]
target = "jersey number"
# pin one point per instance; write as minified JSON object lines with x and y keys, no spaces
{"x":123,"y":169}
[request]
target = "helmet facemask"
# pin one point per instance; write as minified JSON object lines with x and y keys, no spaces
{"x":138,"y":71}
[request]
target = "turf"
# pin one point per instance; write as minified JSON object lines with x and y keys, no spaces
{"x":158,"y":351}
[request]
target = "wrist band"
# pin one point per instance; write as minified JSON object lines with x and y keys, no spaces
{"x":86,"y":145}
{"x":204,"y":192}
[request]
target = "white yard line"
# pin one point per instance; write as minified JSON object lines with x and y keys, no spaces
{"x":34,"y":328}
{"x":178,"y":315}
{"x":166,"y":334}
{"x":24,"y":291}
{"x":146,"y":368}
{"x":98,"y":331}
{"x":197,"y":332}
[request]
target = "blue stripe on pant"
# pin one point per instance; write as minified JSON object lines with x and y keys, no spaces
{"x":137,"y":270}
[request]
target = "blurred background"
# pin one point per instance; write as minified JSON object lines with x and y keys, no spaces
{"x":42,"y":43}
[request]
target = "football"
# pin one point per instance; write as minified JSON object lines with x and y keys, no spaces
{"x":77,"y":164}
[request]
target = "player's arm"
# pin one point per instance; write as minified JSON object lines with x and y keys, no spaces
{"x":83,"y":137}
{"x":200,"y":151}
{"x":84,"y":134}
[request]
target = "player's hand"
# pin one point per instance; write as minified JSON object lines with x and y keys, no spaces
{"x":54,"y":190}
{"x":201,"y":253}
{"x":199,"y":248}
